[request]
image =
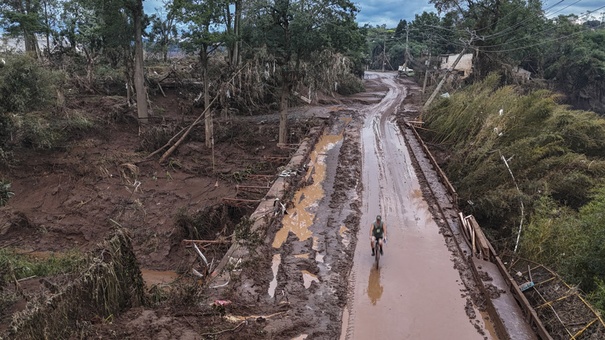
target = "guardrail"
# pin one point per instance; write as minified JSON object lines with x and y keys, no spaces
{"x":446,"y":181}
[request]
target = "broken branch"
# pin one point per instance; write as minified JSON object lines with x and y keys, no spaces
{"x":195,"y":122}
{"x":207,"y":241}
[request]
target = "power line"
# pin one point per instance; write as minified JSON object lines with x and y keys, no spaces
{"x":543,"y":32}
{"x":537,"y":44}
{"x":520,"y":24}
{"x":518,"y":9}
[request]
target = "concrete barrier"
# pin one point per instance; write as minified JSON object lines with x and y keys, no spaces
{"x":264,"y":214}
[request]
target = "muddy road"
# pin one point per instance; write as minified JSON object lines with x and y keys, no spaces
{"x":416,"y":293}
{"x":308,"y":275}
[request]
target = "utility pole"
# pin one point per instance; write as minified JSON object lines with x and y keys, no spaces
{"x":407,"y":44}
{"x":384,"y":53}
{"x":448,"y":71}
{"x":426,"y":72}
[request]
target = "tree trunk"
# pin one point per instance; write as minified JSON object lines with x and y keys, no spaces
{"x":90,"y":67}
{"x":139,"y":75}
{"x":208,"y":125}
{"x":236,"y":30}
{"x":286,"y":80}
{"x":283,"y":113}
{"x":31,"y":44}
{"x":47,"y":22}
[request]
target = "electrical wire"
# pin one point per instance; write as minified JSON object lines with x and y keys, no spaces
{"x":543,"y":32}
{"x":545,"y":41}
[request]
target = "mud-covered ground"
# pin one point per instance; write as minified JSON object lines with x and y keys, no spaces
{"x":72,"y":197}
{"x":294,"y":285}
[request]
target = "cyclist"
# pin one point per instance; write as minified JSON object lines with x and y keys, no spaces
{"x":378,"y":232}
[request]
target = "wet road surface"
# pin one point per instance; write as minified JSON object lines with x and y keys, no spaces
{"x":416,"y":293}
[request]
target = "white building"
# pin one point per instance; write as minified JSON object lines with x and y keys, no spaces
{"x":464,"y":66}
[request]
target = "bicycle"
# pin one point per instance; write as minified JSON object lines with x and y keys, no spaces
{"x":377,"y":251}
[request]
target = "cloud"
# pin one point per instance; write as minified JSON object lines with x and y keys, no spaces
{"x":553,"y":8}
{"x":389,"y":12}
{"x":153,"y":6}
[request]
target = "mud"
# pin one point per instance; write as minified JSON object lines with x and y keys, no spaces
{"x":300,"y":281}
{"x":419,"y":291}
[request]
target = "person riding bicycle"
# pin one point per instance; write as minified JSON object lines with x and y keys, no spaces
{"x":378,"y":232}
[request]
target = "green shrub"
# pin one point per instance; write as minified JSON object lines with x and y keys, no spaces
{"x":27,"y":108}
{"x":551,"y":150}
{"x":26,"y":86}
{"x":597,"y":297}
{"x":350,"y":84}
{"x":37,"y":132}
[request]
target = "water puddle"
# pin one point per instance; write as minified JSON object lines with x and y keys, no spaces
{"x":301,"y":337}
{"x":302,"y":256}
{"x":156,"y":277}
{"x":300,"y":217}
{"x":274,"y":267}
{"x":375,"y":289}
{"x":308,"y":278}
{"x":488,"y":326}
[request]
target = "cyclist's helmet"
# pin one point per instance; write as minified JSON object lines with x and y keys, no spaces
{"x":378,"y":217}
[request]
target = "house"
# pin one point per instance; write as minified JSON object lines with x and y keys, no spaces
{"x":464,"y":66}
{"x":521,"y":75}
{"x":17,"y":45}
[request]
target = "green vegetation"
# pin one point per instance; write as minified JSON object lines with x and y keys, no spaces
{"x":25,"y":86}
{"x":18,"y":266}
{"x":557,"y":158}
{"x":29,"y":114}
{"x":105,"y":286}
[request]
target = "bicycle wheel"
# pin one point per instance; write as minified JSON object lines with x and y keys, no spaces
{"x":377,"y":256}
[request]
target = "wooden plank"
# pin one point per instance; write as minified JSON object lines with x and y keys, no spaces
{"x":252,"y":187}
{"x":237,"y":202}
{"x":275,"y":158}
{"x":482,"y":242}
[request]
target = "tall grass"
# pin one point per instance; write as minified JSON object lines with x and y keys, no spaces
{"x":557,"y":157}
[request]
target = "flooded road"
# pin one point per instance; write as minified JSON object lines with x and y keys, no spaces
{"x":416,"y":293}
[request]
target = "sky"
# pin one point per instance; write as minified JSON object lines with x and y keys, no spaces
{"x":389,"y":12}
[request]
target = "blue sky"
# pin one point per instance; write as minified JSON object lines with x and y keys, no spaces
{"x":389,"y":12}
